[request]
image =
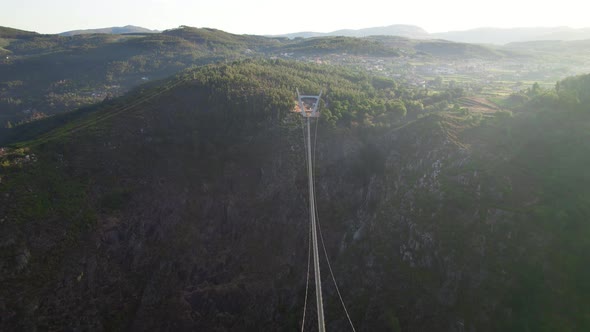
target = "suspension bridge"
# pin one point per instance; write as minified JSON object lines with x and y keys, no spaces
{"x":309,"y":109}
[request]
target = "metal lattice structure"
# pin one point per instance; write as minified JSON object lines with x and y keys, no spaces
{"x":308,"y":105}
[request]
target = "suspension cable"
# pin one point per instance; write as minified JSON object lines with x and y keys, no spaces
{"x":306,"y":279}
{"x":322,"y":237}
{"x":333,"y":278}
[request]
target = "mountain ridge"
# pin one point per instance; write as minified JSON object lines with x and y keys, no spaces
{"x":7,"y":32}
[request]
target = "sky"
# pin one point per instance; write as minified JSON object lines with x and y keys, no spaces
{"x":267,"y":17}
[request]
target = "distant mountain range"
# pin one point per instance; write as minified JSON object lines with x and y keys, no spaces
{"x":505,"y":36}
{"x":110,"y":30}
{"x":497,"y":36}
{"x":480,"y":35}
{"x":402,"y":30}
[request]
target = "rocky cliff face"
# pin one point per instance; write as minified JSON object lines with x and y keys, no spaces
{"x":156,"y":219}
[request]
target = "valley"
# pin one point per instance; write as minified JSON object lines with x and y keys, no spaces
{"x":157,"y":182}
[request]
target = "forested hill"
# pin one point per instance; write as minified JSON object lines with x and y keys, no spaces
{"x":181,"y":206}
{"x":353,"y":98}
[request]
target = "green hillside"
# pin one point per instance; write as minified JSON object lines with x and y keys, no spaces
{"x":354,"y":46}
{"x":444,"y":49}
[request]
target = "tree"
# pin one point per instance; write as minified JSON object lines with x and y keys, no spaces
{"x":438,"y":81}
{"x":414,"y":106}
{"x":396,"y":110}
{"x":535,"y":90}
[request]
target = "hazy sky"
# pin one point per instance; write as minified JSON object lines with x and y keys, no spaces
{"x":276,"y":17}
